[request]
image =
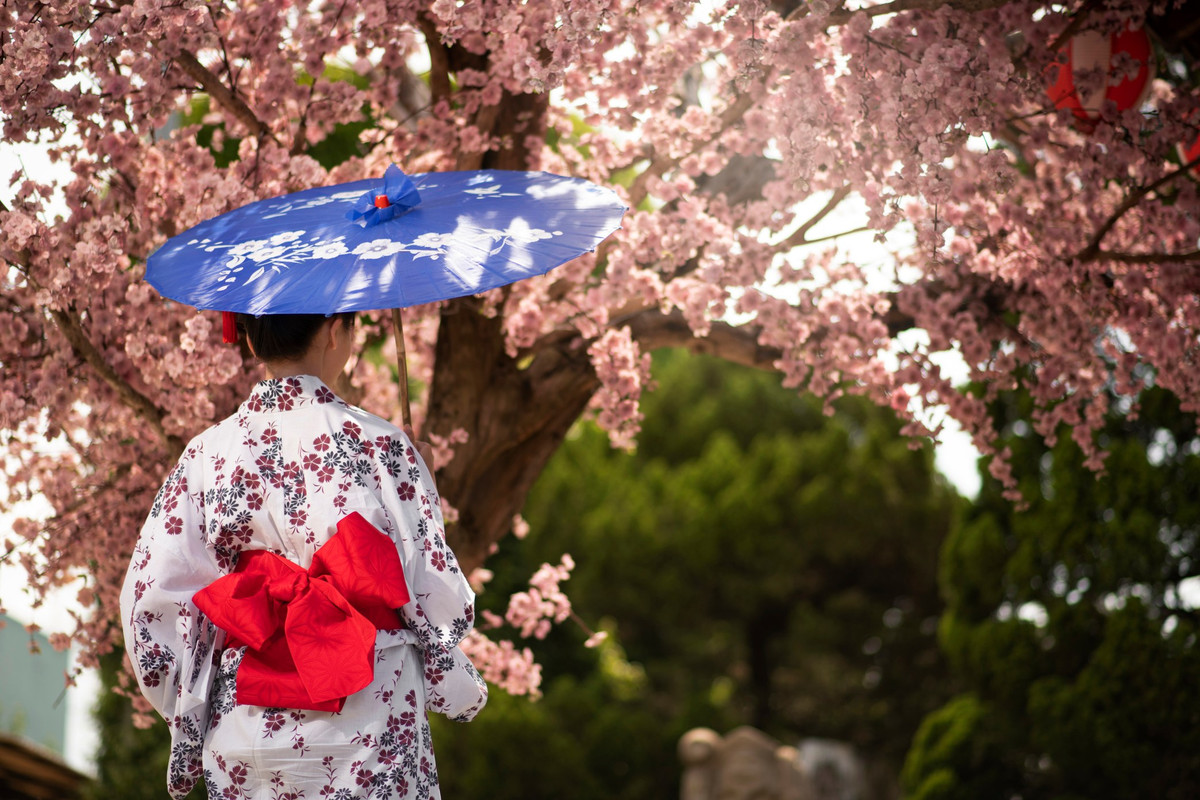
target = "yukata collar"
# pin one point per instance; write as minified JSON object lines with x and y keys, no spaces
{"x":285,"y":394}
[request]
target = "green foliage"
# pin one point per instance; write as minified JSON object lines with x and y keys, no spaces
{"x":760,"y":563}
{"x":345,"y":140}
{"x":224,"y":149}
{"x":579,"y":128}
{"x":334,"y":147}
{"x":1067,"y":622}
{"x":959,"y":739}
{"x":131,"y":763}
{"x":584,"y":739}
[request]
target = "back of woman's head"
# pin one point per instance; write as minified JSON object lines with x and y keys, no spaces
{"x":284,"y":337}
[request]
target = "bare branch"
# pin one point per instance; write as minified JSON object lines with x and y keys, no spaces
{"x":220,"y":93}
{"x":1148,"y":258}
{"x":439,"y":60}
{"x":798,"y":238}
{"x":653,"y":329}
{"x":301,"y":140}
{"x":833,"y":236}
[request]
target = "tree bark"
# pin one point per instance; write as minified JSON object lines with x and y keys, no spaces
{"x":515,"y":418}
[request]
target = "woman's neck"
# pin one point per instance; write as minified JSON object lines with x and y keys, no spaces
{"x":302,"y":366}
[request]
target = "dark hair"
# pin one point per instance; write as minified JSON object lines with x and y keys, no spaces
{"x":283,"y":337}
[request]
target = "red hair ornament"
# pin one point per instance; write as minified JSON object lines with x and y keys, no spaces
{"x":1189,"y":153}
{"x":228,"y":327}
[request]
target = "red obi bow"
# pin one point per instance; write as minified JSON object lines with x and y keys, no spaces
{"x":310,"y":635}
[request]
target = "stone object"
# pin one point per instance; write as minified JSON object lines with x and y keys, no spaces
{"x":833,"y":769}
{"x":746,"y":764}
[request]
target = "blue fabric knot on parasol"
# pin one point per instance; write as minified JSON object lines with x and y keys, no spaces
{"x":397,"y":195}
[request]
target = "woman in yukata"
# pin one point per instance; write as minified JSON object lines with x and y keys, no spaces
{"x":291,"y":608}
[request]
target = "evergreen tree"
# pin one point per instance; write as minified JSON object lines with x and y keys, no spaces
{"x":1070,"y":623}
{"x":759,"y":562}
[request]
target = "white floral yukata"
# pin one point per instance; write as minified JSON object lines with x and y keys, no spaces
{"x":278,"y":475}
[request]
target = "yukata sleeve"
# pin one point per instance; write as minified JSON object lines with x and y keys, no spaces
{"x":170,"y":644}
{"x":442,"y":609}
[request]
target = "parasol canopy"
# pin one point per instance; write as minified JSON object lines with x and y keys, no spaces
{"x":391,"y":243}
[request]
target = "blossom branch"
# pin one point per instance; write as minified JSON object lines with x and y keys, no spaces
{"x":220,"y":93}
{"x":1077,"y":20}
{"x":659,"y":166}
{"x":842,"y":16}
{"x":1092,"y":251}
{"x":83,"y":348}
{"x":745,"y":101}
{"x":69,"y":325}
{"x":87,"y":498}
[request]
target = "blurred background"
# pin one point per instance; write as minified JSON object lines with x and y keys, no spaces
{"x":758,"y":563}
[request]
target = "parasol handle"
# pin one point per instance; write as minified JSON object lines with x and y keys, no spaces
{"x":402,"y":364}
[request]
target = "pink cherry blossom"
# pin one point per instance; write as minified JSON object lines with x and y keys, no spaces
{"x":1044,"y":256}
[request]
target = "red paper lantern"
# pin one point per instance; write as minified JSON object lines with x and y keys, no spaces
{"x":1097,"y":52}
{"x":1188,"y":153}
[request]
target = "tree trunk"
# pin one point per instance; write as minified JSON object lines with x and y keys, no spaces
{"x":515,"y":419}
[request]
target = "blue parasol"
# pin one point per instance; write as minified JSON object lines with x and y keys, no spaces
{"x":385,"y":243}
{"x":439,"y":235}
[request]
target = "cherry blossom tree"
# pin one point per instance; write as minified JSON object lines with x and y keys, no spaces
{"x":738,"y":131}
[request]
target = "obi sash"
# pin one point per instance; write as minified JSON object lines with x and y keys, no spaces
{"x":309,"y":634}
